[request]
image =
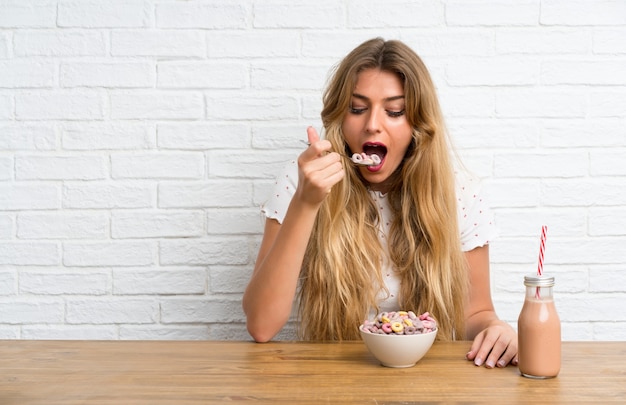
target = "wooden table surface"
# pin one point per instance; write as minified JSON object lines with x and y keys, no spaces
{"x":174,"y":372}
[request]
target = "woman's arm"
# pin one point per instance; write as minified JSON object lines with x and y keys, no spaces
{"x":269,"y":296}
{"x":495,"y":341}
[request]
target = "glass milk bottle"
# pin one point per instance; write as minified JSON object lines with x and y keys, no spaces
{"x":539,"y":330}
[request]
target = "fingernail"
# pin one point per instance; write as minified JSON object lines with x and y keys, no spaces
{"x":501,"y":363}
{"x":478,"y":361}
{"x":467,"y":355}
{"x":489,"y":364}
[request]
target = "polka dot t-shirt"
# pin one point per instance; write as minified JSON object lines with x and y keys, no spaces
{"x":475,"y":220}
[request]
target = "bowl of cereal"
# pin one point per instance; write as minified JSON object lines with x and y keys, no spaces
{"x":400,"y":338}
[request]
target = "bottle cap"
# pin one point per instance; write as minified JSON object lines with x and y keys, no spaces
{"x":538,"y":281}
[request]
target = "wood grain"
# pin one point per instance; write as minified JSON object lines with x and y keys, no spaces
{"x":168,"y":372}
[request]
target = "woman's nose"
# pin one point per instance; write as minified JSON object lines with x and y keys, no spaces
{"x":373,"y":122}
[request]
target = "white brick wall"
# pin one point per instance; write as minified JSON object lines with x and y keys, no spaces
{"x":138,"y":138}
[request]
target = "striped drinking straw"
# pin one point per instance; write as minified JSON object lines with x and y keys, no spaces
{"x":542,"y":249}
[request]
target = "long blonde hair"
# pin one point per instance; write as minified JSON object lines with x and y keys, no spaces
{"x":341,"y":275}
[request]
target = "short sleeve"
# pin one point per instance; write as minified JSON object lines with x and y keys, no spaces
{"x":476,"y":222}
{"x":284,"y":189}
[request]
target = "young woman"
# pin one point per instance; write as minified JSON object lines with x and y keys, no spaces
{"x":344,"y":241}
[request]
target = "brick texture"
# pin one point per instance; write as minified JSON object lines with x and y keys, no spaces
{"x":138,"y":139}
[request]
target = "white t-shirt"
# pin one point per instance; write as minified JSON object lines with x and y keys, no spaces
{"x":475,"y":220}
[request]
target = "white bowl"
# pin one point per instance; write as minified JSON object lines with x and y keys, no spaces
{"x":398,"y":350}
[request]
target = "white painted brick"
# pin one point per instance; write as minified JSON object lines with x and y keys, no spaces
{"x":279,"y":136}
{"x":607,"y":279}
{"x":251,"y":107}
{"x":167,"y":43}
{"x":62,"y":225}
{"x":214,"y":250}
{"x":610,"y":103}
{"x":157,"y":224}
{"x":611,"y":331}
{"x":46,"y":282}
{"x":609,"y":250}
{"x":609,"y":40}
{"x":229,"y":279}
{"x":583,"y":12}
{"x":520,"y":165}
{"x":281,"y":76}
{"x":6,"y":107}
{"x":491,"y":134}
{"x":154,"y":281}
{"x":59,"y":43}
{"x":31,"y":196}
{"x":311,"y":107}
{"x":158,"y":332}
{"x":234,"y":221}
{"x":324,"y":44}
{"x":165,"y":165}
{"x":8,"y":282}
{"x":107,"y":136}
{"x":17,"y":136}
{"x":205,"y":194}
{"x":116,"y":253}
{"x":468,"y":102}
{"x":26,"y":74}
{"x":509,"y":278}
{"x":202,"y":136}
{"x":6,"y":168}
{"x":247,"y":165}
{"x":582,"y":133}
{"x":194,"y":74}
{"x":33,"y":13}
{"x":30,"y":167}
{"x":583,"y":192}
{"x":526,"y":221}
{"x":7,"y":231}
{"x":238,"y":331}
{"x":492,"y":13}
{"x":5,"y":45}
{"x":608,"y":162}
{"x":72,"y":332}
{"x":59,"y":105}
{"x":513,"y":193}
{"x":522,"y":103}
{"x":607,"y":221}
{"x":156,"y":105}
{"x":597,"y":307}
{"x":288,"y":14}
{"x":493,"y":71}
{"x":113,"y":14}
{"x":374,"y":14}
{"x":543,"y":41}
{"x":437,"y":42}
{"x":201,"y":310}
{"x":584,"y":72}
{"x":263,"y":44}
{"x":212,"y":15}
{"x":108,"y":195}
{"x":107,"y":74}
{"x":576,"y":331}
{"x":31,"y":310}
{"x":111,"y":310}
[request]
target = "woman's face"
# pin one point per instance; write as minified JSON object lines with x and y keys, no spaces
{"x":376,"y":124}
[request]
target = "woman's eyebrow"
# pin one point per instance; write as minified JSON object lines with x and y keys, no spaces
{"x":362,"y":97}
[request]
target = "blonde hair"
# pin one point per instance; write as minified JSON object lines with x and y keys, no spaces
{"x":341,"y":275}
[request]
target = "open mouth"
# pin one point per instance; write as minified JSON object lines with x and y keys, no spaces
{"x":377,"y":149}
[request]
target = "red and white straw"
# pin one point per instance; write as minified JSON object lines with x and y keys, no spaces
{"x":542,"y":249}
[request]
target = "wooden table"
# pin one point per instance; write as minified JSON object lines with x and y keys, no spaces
{"x":168,"y":372}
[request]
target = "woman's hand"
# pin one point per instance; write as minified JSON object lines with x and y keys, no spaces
{"x":319,"y":170}
{"x":495,"y":346}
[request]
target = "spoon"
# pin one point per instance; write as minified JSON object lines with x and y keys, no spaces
{"x":362,"y":159}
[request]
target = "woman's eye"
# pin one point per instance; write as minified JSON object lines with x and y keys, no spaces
{"x":357,"y":110}
{"x":396,"y":113}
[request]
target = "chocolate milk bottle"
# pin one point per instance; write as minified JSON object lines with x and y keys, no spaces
{"x":539,"y":330}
